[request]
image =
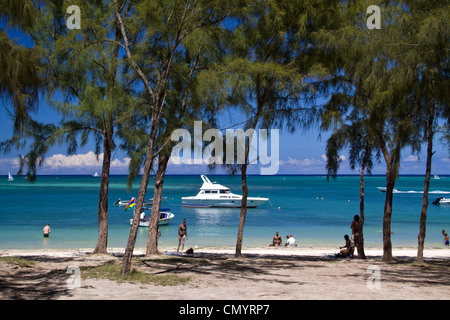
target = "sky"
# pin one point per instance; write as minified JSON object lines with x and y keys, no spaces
{"x":301,"y":152}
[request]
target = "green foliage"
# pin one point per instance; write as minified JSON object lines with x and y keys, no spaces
{"x":111,"y":271}
{"x":21,"y":262}
{"x":20,"y":79}
{"x":378,"y":79}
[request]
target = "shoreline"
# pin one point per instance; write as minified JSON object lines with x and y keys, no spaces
{"x":410,"y":252}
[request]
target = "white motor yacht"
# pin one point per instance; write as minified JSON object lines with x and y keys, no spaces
{"x":214,"y":195}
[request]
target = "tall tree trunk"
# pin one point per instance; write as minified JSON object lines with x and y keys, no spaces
{"x":387,"y":244}
{"x":361,"y":253}
{"x":102,"y":242}
{"x":152,"y":240}
{"x":390,"y":182}
{"x":423,"y":213}
{"x":243,"y":214}
{"x":128,"y":255}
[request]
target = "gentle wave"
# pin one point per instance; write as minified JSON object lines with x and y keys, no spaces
{"x":432,"y":192}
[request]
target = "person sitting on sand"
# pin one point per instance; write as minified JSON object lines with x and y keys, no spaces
{"x":46,"y":230}
{"x":290,"y":242}
{"x":276,"y":240}
{"x":347,"y":250}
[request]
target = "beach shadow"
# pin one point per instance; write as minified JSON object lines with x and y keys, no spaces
{"x":276,"y":268}
{"x":31,"y":283}
{"x":434,"y":272}
{"x":253,"y":267}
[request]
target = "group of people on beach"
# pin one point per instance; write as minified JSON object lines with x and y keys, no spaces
{"x":346,"y":251}
{"x":277,"y":241}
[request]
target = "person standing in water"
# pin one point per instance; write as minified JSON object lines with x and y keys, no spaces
{"x":182,"y":235}
{"x":46,"y":230}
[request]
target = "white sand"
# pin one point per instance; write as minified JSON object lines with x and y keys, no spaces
{"x":443,"y":252}
{"x":265,"y":274}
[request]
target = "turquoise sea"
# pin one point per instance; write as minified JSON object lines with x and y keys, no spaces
{"x":316,"y":211}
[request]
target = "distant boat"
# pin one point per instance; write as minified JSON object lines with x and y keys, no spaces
{"x":123,"y":203}
{"x":384,"y":189}
{"x":96,"y":175}
{"x":436,"y":177}
{"x":10,"y":177}
{"x":441,"y":200}
{"x":164,"y":218}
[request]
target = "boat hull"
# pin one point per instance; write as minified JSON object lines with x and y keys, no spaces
{"x":162,"y":221}
{"x":252,"y":202}
{"x":123,"y":203}
{"x":442,"y":201}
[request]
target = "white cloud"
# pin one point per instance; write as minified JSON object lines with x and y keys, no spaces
{"x":300,"y":162}
{"x":342,"y":157}
{"x":9,"y":162}
{"x":59,"y":161}
{"x":116,"y":163}
{"x":412,"y":158}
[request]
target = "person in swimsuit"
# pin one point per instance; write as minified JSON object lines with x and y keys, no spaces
{"x":46,"y":230}
{"x":276,"y":240}
{"x":446,"y":240}
{"x":347,"y":250}
{"x":356,"y":233}
{"x":182,"y":235}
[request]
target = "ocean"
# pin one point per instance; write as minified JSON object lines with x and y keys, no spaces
{"x":317,"y":212}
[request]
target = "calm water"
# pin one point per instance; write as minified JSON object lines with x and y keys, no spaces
{"x":316,"y":212}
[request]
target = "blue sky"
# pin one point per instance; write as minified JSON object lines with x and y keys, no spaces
{"x":302,"y":152}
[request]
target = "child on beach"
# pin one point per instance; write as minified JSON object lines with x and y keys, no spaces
{"x":446,"y":239}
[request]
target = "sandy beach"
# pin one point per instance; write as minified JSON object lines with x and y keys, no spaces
{"x":214,"y":274}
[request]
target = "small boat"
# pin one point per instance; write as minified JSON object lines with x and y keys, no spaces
{"x":213,"y":195}
{"x":436,"y":177}
{"x":10,"y":177}
{"x":123,"y":203}
{"x":384,"y":189}
{"x":96,"y":175}
{"x":441,"y":200}
{"x":164,"y":218}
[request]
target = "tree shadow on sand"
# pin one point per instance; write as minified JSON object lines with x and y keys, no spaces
{"x":23,"y":283}
{"x":435,"y":272}
{"x":32,"y":284}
